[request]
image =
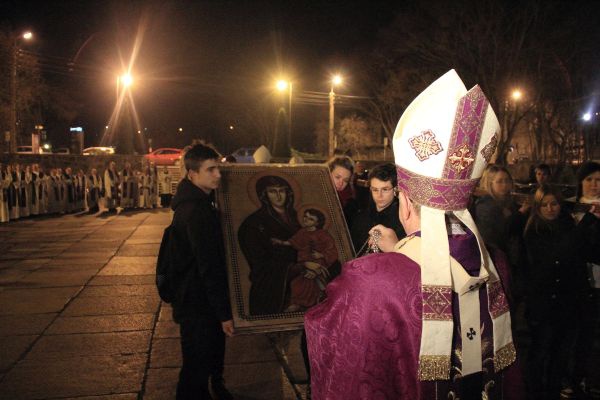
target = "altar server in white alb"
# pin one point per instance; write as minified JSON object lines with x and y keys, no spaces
{"x":5,"y":182}
{"x":94,"y":184}
{"x":111,"y":186}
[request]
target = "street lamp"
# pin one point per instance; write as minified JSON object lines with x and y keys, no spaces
{"x":13,"y":89}
{"x":515,"y":95}
{"x":282,"y":85}
{"x":336,"y":80}
{"x":126,"y":80}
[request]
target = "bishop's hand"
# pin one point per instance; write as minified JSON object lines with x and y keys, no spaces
{"x":387,"y":238}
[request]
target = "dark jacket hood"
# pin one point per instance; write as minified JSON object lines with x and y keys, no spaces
{"x":187,"y":192}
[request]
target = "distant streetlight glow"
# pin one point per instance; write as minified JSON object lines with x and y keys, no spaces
{"x":230,"y":127}
{"x":282,"y":85}
{"x":27,"y":35}
{"x":180,"y":129}
{"x":337,"y":79}
{"x":587,"y":116}
{"x":517,"y":94}
{"x":126,"y":79}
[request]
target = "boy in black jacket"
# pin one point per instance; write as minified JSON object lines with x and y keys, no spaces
{"x":201,"y":306}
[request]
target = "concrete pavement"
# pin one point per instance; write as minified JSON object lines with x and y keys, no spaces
{"x":80,"y":317}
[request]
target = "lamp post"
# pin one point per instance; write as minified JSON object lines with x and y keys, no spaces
{"x":13,"y":89}
{"x":289,"y":86}
{"x":336,"y":80}
{"x":510,"y":123}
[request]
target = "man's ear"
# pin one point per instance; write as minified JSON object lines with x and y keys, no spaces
{"x":405,"y":206}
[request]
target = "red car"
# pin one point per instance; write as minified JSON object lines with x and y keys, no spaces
{"x":165,"y":156}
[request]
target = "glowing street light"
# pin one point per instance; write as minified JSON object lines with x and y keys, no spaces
{"x":283,"y":85}
{"x":587,"y":116}
{"x":335,"y":80}
{"x":517,"y":94}
{"x":13,"y":88}
{"x":126,"y":79}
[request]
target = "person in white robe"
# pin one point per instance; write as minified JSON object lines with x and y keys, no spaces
{"x":43,"y":189}
{"x":5,"y":183}
{"x":48,"y":188}
{"x":154,"y":185}
{"x":25,"y":193}
{"x":146,"y":189}
{"x":14,"y":193}
{"x":111,"y":187}
{"x":54,"y":186}
{"x":127,"y":186}
{"x":69,"y":184}
{"x":80,"y":189}
{"x":37,"y":191}
{"x":94,"y":193}
{"x":164,"y":187}
{"x":62,"y":189}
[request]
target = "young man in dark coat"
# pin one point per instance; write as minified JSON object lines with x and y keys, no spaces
{"x":201,"y":306}
{"x":383,"y":206}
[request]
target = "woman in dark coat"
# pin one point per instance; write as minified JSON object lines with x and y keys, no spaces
{"x":556,"y":295}
{"x":588,"y":222}
{"x":341,"y":169}
{"x":501,"y":222}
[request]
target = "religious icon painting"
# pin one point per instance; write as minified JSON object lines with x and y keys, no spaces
{"x":285,"y":239}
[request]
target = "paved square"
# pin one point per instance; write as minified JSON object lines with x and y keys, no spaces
{"x":80,"y":317}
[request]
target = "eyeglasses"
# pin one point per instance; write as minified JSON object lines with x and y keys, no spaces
{"x":385,"y":190}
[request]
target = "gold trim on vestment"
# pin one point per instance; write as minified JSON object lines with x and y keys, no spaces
{"x":505,"y":357}
{"x":433,"y":368}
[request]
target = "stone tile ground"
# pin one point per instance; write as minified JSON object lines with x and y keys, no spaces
{"x":80,"y":317}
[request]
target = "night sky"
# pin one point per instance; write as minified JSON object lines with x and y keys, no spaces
{"x":198,"y":61}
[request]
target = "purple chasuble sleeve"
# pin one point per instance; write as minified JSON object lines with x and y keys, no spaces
{"x":364,"y":339}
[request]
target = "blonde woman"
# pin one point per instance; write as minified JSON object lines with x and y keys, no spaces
{"x":501,"y":222}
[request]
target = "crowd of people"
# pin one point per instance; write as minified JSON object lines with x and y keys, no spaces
{"x":430,"y":316}
{"x":28,"y":190}
{"x":552,"y":248}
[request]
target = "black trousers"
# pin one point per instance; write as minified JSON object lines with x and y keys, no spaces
{"x":203,"y":353}
{"x":165,"y":200}
{"x":551,"y":345}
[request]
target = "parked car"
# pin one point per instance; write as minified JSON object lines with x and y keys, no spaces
{"x":98,"y":151}
{"x":165,"y":156}
{"x":245,"y":155}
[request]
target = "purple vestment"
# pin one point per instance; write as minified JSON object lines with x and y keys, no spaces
{"x":364,"y":339}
